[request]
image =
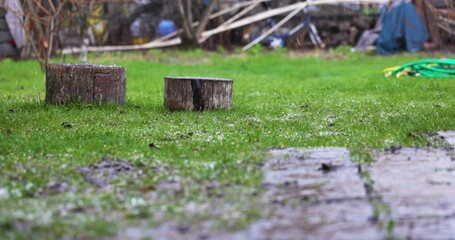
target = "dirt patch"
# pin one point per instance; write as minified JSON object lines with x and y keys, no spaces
{"x":224,"y":208}
{"x":56,"y":188}
{"x":317,"y":53}
{"x":104,"y":172}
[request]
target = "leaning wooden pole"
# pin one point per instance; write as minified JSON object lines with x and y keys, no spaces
{"x":240,"y":14}
{"x":237,"y":16}
{"x":274,"y":28}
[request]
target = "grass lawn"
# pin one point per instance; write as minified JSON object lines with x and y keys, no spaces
{"x":281,"y":99}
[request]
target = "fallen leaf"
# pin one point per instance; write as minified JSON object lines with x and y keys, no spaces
{"x":148,"y":188}
{"x":197,"y":148}
{"x":154,"y":146}
{"x":331,"y":121}
{"x":183,"y":228}
{"x":327,"y":167}
{"x":413,"y":134}
{"x":393,"y":149}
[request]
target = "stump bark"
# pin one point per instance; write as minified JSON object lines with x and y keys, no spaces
{"x":197,"y":94}
{"x":85,"y":83}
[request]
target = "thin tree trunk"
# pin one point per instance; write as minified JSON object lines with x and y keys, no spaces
{"x":205,"y":19}
{"x":39,"y":33}
{"x":186,"y":23}
{"x":50,"y":41}
{"x":189,"y":12}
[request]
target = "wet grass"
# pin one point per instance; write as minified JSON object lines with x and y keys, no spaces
{"x":328,"y":99}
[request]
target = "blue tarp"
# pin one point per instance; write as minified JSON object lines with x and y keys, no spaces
{"x":402,"y":30}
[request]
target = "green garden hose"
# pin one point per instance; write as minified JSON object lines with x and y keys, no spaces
{"x":436,"y":68}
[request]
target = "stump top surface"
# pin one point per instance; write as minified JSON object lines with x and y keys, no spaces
{"x":85,"y":65}
{"x":199,"y":78}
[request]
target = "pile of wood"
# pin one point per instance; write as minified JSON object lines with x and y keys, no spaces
{"x":338,"y":22}
{"x":338,"y":29}
{"x":439,"y":17}
{"x":243,"y":14}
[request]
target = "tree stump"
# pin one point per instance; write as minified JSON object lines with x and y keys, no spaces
{"x":85,"y":83}
{"x":197,"y":94}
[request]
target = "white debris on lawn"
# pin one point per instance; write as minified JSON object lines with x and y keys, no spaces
{"x":4,"y":194}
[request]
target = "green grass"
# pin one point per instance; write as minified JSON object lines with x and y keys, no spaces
{"x":336,"y":99}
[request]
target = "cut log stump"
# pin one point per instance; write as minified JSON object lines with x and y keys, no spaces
{"x":197,"y":93}
{"x":85,"y":83}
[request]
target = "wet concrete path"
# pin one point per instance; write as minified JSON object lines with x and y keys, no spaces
{"x":418,"y":185}
{"x":313,"y":194}
{"x":319,"y":193}
{"x":406,"y":193}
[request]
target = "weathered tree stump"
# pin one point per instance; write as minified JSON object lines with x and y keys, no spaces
{"x":85,"y":83}
{"x":197,"y":94}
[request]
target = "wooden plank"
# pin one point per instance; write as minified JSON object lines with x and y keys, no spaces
{"x":446,"y":28}
{"x":237,"y":16}
{"x":446,"y":20}
{"x":150,"y":45}
{"x":237,"y":6}
{"x":240,"y":14}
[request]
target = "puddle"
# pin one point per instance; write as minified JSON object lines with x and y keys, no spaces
{"x":418,"y":186}
{"x":56,"y":188}
{"x":171,"y":231}
{"x":318,"y":174}
{"x":338,"y":220}
{"x":449,"y":136}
